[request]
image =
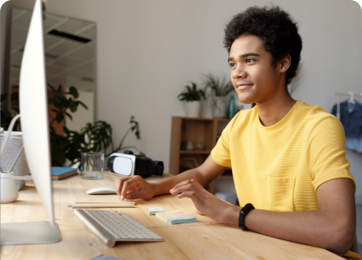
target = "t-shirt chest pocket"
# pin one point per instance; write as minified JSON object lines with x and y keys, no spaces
{"x":280,"y":192}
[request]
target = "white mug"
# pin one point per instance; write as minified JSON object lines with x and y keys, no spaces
{"x":9,"y":190}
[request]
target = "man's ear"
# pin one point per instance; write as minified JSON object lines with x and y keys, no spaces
{"x":284,"y":63}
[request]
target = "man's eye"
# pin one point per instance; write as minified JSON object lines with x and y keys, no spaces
{"x":249,"y":60}
{"x":232,"y":64}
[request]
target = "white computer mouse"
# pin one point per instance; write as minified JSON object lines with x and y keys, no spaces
{"x":101,"y":190}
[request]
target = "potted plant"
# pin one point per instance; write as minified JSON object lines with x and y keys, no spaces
{"x":68,"y":146}
{"x":192,"y":97}
{"x":219,"y":87}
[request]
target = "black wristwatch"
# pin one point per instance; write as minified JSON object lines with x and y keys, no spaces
{"x":242,"y":215}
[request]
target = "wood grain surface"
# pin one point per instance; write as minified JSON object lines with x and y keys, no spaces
{"x":204,"y":239}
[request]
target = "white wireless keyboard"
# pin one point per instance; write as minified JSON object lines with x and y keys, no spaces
{"x":111,"y":226}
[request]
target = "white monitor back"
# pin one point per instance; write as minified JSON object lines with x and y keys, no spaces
{"x":34,"y":110}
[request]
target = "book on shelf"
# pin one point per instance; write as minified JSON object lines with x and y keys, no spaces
{"x":60,"y":173}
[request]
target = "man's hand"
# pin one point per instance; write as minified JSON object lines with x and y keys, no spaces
{"x":206,"y":203}
{"x":134,"y":187}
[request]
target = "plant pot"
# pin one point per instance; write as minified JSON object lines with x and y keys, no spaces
{"x":219,"y":108}
{"x":192,"y":108}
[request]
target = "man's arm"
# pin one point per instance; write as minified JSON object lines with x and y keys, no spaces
{"x":136,"y":187}
{"x":204,"y":174}
{"x":332,"y":226}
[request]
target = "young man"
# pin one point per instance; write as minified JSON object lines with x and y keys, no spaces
{"x":288,"y":158}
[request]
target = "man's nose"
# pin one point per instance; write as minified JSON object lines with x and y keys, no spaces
{"x":239,"y":72}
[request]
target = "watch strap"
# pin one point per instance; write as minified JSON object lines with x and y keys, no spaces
{"x":242,"y":215}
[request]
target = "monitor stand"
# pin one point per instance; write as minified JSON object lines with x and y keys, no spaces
{"x":25,"y":233}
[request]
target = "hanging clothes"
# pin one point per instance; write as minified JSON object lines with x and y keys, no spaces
{"x":351,"y":119}
{"x":354,"y":144}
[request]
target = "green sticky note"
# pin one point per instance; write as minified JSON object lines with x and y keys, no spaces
{"x":176,"y":217}
{"x":181,"y":220}
{"x":154,"y":210}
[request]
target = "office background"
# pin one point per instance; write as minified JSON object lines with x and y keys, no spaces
{"x":147,"y":51}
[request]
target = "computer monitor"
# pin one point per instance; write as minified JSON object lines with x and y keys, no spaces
{"x":35,"y":130}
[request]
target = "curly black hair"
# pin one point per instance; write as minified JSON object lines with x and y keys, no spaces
{"x":274,"y":27}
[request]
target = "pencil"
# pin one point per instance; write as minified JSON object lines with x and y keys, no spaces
{"x":89,"y":205}
{"x":105,"y":202}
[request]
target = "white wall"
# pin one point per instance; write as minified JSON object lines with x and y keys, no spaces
{"x":82,"y":116}
{"x":148,"y":50}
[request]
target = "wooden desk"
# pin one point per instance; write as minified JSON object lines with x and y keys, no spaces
{"x":204,"y":239}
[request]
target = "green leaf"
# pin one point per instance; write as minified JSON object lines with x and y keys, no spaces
{"x":63,"y":100}
{"x":66,"y":130}
{"x":74,"y":107}
{"x":82,"y":104}
{"x":51,"y":100}
{"x":74,"y":92}
{"x":69,"y":115}
{"x":193,"y":87}
{"x":191,"y":93}
{"x":52,"y":129}
{"x":60,"y":118}
{"x":51,"y":87}
{"x":219,"y":86}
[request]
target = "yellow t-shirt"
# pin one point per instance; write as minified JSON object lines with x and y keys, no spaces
{"x":280,"y":167}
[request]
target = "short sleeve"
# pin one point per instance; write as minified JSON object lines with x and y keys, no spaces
{"x":327,"y":153}
{"x":221,"y":152}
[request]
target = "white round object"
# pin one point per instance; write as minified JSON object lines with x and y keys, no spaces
{"x":9,"y":191}
{"x":101,"y":190}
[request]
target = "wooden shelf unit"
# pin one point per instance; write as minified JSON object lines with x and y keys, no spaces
{"x":184,"y":129}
